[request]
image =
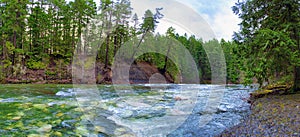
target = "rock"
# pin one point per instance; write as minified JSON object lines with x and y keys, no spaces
{"x":59,"y":134}
{"x":177,"y":98}
{"x":59,"y":114}
{"x":68,"y":123}
{"x":99,"y":129}
{"x":176,"y":112}
{"x":78,"y":109}
{"x":34,"y":135}
{"x":126,"y":113}
{"x":148,"y":113}
{"x":40,"y":106}
{"x":16,"y":118}
{"x":65,"y":94}
{"x":82,"y":131}
{"x":20,"y":113}
{"x":222,"y":109}
{"x":8,"y":100}
{"x":51,"y":104}
{"x":127,"y":135}
{"x":138,"y":104}
{"x":56,"y":122}
{"x":45,"y":128}
{"x":120,"y":131}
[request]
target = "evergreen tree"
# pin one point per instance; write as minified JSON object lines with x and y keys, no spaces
{"x":269,"y":38}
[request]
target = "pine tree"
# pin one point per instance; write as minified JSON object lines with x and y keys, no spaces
{"x":269,"y":38}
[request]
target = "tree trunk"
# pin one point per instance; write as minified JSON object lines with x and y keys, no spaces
{"x":115,"y":44}
{"x":140,"y":42}
{"x":107,"y":50}
{"x":201,"y":66}
{"x":297,"y":79}
{"x":295,"y":36}
{"x":166,"y":60}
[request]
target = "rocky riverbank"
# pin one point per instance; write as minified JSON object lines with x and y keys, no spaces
{"x":273,"y":113}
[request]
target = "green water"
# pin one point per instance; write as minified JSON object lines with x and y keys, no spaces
{"x":118,"y":110}
{"x":34,"y":110}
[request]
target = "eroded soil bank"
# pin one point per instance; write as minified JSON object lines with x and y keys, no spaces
{"x":140,"y":73}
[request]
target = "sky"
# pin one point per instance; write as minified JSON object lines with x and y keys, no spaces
{"x":218,"y":14}
{"x":206,"y":19}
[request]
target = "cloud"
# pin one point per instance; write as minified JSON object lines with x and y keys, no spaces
{"x":182,"y":17}
{"x":212,"y":16}
{"x":224,"y":24}
{"x":217,"y":14}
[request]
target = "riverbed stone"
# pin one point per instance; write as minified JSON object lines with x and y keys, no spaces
{"x":127,"y":135}
{"x":120,"y":131}
{"x":40,"y":106}
{"x":16,"y":118}
{"x":45,"y":128}
{"x":81,"y":130}
{"x":99,"y":129}
{"x":138,"y":106}
{"x":59,"y":134}
{"x":34,"y":135}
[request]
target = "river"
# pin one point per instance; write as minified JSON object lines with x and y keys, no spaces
{"x":121,"y":110}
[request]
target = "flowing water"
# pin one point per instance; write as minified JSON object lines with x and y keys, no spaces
{"x":121,"y":110}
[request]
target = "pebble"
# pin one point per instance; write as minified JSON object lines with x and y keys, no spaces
{"x":99,"y":129}
{"x":45,"y":128}
{"x":39,"y":106}
{"x":16,"y":118}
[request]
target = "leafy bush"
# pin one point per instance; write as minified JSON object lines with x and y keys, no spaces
{"x":32,"y":64}
{"x":50,"y":73}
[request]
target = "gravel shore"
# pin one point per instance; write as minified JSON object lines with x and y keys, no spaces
{"x":273,"y":115}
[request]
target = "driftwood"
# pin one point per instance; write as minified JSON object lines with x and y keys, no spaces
{"x":273,"y":89}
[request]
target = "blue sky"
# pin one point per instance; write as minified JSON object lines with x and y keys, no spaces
{"x":218,"y":14}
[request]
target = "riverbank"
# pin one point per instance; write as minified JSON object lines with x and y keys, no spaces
{"x":139,"y":73}
{"x":272,"y":114}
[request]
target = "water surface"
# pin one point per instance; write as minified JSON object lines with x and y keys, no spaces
{"x":128,"y":110}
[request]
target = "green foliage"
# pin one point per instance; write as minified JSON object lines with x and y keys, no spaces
{"x":269,"y":38}
{"x":6,"y":63}
{"x":2,"y":74}
{"x":50,"y":73}
{"x":49,"y":33}
{"x":232,"y":61}
{"x":33,"y":64}
{"x":10,"y":47}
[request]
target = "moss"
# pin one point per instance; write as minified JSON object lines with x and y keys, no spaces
{"x":149,"y":93}
{"x":114,"y":104}
{"x":272,"y":89}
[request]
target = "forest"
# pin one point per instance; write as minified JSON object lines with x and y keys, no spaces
{"x":53,"y":52}
{"x":40,"y":38}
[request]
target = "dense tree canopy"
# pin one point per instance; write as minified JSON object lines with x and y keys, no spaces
{"x":45,"y":35}
{"x":269,"y":39}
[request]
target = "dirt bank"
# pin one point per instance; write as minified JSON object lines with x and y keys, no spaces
{"x":139,"y":73}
